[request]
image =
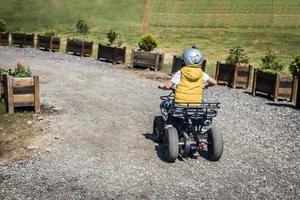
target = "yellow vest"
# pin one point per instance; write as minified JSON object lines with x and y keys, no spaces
{"x":190,"y":88}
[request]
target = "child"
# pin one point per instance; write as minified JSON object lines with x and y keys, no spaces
{"x":190,"y":80}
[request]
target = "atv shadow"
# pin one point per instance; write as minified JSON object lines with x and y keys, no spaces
{"x":159,"y":147}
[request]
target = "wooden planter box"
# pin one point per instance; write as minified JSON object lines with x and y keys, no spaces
{"x":176,"y":65}
{"x":111,"y":54}
{"x":78,"y":47}
{"x":48,"y":43}
{"x":4,"y":39}
{"x":147,"y":60}
{"x":21,"y":92}
{"x":22,"y":40}
{"x":234,"y":75}
{"x":275,"y":85}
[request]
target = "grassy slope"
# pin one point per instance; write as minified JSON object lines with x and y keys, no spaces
{"x":214,"y":26}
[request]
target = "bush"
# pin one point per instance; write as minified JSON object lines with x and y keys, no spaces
{"x":82,"y":27}
{"x":20,"y":71}
{"x":111,"y":36}
{"x":237,"y":56}
{"x":147,"y":43}
{"x":295,"y":66}
{"x":271,"y":62}
{"x":50,"y":33}
{"x":3,"y":25}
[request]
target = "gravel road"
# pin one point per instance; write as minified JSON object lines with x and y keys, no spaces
{"x":103,"y":151}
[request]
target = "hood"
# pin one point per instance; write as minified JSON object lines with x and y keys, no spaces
{"x":192,"y":74}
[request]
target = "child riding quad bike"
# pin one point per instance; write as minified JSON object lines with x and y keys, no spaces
{"x":185,"y":125}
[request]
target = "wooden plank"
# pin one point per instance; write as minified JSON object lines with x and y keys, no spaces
{"x":250,"y":77}
{"x":37,"y":107}
{"x":294,"y":91}
{"x":22,"y":82}
{"x":1,"y":86}
{"x":10,"y":99}
{"x":285,"y":91}
{"x":298,"y":94}
{"x":23,"y":98}
{"x":217,"y":72}
{"x":131,"y":60}
{"x":275,"y":97}
{"x":254,"y":83}
{"x":124,"y":55}
{"x":157,"y":63}
{"x":243,"y":79}
{"x":99,"y":51}
{"x":235,"y":76}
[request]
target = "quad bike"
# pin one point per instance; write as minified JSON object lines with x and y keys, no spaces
{"x":186,"y":128}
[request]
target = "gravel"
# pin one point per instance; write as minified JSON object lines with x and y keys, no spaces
{"x":103,"y":152}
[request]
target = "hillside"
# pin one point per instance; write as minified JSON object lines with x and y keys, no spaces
{"x":213,"y":25}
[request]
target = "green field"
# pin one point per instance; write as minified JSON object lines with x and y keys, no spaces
{"x":214,"y":26}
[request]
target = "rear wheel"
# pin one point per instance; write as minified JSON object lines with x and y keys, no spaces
{"x":171,"y":144}
{"x":215,"y":143}
{"x":158,"y":126}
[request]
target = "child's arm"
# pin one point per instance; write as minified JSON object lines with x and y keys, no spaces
{"x":210,"y":82}
{"x":166,"y":86}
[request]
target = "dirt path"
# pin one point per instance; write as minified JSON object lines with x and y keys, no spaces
{"x":103,"y":152}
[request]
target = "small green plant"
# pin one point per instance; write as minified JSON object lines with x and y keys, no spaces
{"x":147,"y":43}
{"x":3,"y":25}
{"x":111,"y":36}
{"x":271,"y":62}
{"x":21,"y":71}
{"x":82,"y":27}
{"x":237,"y":56}
{"x":50,"y":33}
{"x":295,"y":66}
{"x":114,"y":38}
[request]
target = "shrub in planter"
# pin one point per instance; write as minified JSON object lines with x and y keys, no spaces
{"x":147,"y":43}
{"x":3,"y":26}
{"x":50,"y":33}
{"x":144,"y":58}
{"x":269,"y":80}
{"x":295,"y":70}
{"x":110,"y":52}
{"x":21,"y":89}
{"x":235,"y":71}
{"x":237,"y":56}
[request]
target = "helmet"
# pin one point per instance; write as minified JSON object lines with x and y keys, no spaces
{"x":192,"y":56}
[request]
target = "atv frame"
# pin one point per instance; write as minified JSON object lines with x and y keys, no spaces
{"x":186,"y":128}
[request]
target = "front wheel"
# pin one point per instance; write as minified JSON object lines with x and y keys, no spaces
{"x":215,"y":143}
{"x":171,"y":144}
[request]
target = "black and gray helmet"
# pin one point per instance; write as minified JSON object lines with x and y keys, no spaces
{"x":192,"y":56}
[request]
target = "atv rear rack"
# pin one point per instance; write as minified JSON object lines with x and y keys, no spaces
{"x":195,"y":110}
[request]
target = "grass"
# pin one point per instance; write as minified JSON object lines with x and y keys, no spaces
{"x":214,"y":26}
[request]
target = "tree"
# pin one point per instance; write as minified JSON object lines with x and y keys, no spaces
{"x":3,"y":25}
{"x":237,"y":56}
{"x":82,"y":27}
{"x":271,"y":62}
